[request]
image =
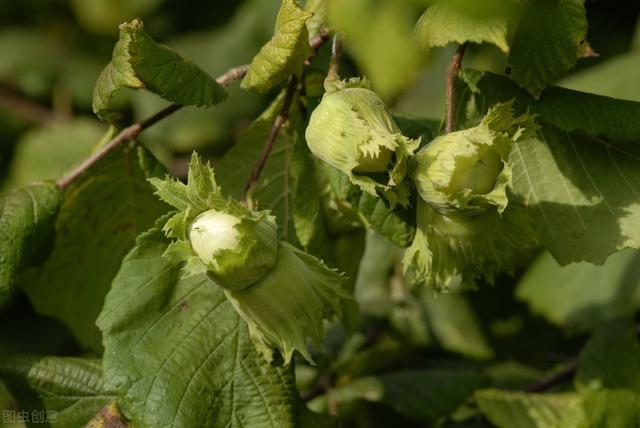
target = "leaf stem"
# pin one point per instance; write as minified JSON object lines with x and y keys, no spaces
{"x":280,"y":120}
{"x":452,"y":74}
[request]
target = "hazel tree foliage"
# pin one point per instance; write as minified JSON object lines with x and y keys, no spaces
{"x":287,"y":239}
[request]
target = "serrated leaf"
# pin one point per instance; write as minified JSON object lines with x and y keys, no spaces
{"x":408,"y":391}
{"x":70,"y":390}
{"x":180,"y":356}
{"x":215,"y":50}
{"x":27,"y":218}
{"x":284,"y":54}
{"x":558,"y":293}
{"x":546,"y":43}
{"x":581,"y":192}
{"x":139,"y":62}
{"x":581,"y":185}
{"x":510,"y":409}
{"x":287,"y":307}
{"x":615,"y":120}
{"x":449,"y":21}
{"x":611,"y":358}
{"x":103,"y":212}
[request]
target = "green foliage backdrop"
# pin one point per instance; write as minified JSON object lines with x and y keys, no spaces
{"x":434,"y":209}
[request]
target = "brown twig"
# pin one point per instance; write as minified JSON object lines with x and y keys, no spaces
{"x":452,"y":74}
{"x":280,"y":120}
{"x":131,"y":132}
{"x":557,"y":378}
{"x":27,"y":109}
{"x":128,"y":133}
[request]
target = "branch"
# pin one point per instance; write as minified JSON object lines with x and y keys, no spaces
{"x":131,"y":132}
{"x":452,"y":74}
{"x":555,"y":379}
{"x":27,"y":109}
{"x":281,"y":119}
{"x":128,"y":133}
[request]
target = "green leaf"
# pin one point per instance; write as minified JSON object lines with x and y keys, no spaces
{"x":612,"y":78}
{"x":214,"y":50}
{"x":418,"y":394}
{"x":46,"y":153}
{"x":27,"y":217}
{"x":449,"y":21}
{"x":284,"y":54}
{"x":508,"y":409}
{"x":612,"y":408}
{"x":139,"y":62}
{"x":103,"y":211}
{"x":558,"y":293}
{"x":374,"y":212}
{"x":615,"y":120}
{"x":582,"y":193}
{"x":180,"y":356}
{"x":287,"y":186}
{"x":70,"y":389}
{"x":546,"y":43}
{"x":378,"y":37}
{"x":455,"y":325}
{"x":611,"y":358}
